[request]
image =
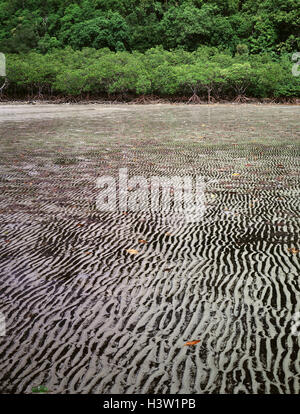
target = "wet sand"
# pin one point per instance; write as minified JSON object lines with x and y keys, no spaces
{"x":85,"y":316}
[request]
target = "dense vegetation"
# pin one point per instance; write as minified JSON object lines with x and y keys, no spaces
{"x":206,"y":71}
{"x":218,"y":48}
{"x":263,"y":26}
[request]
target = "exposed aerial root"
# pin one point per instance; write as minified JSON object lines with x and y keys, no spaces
{"x":195,"y":99}
{"x":241,"y":99}
{"x":148,"y":100}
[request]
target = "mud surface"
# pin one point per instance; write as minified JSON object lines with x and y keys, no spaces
{"x":83,"y":315}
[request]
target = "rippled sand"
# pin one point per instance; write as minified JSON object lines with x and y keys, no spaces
{"x":85,"y":316}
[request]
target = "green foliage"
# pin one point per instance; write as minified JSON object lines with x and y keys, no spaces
{"x":205,"y":72}
{"x":188,"y":26}
{"x":108,"y":30}
{"x":240,"y":76}
{"x":39,"y":389}
{"x":242,"y":49}
{"x":32,"y":72}
{"x":268,"y":25}
{"x":215,"y":48}
{"x":47,"y":43}
{"x":203,"y":75}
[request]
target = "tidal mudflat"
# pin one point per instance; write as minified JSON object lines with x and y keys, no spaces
{"x":105,"y":302}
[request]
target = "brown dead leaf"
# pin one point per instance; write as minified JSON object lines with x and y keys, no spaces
{"x":190,"y":343}
{"x":143,"y":241}
{"x":132,"y":251}
{"x":293,"y":250}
